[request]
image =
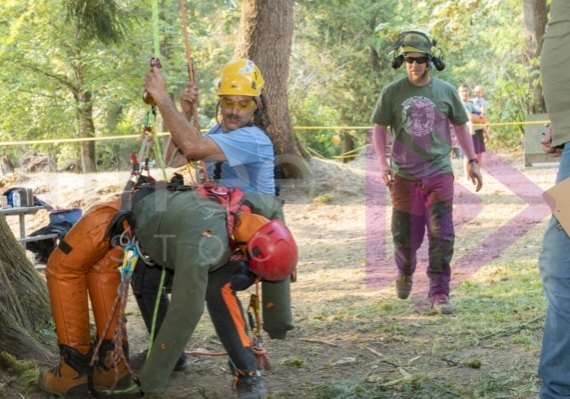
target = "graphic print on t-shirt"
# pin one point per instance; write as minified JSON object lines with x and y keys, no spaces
{"x":418,"y":115}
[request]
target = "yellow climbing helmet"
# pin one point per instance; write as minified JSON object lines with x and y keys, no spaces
{"x":240,"y":77}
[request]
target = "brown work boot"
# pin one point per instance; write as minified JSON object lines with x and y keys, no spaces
{"x":440,"y":303}
{"x":104,"y":371}
{"x":69,"y":378}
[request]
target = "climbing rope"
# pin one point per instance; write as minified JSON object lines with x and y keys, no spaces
{"x":130,"y":257}
{"x":201,"y":174}
{"x":147,"y":148}
{"x":254,"y":315}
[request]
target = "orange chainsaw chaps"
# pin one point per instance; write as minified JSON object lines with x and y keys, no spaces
{"x":87,"y":263}
{"x":86,"y":243}
{"x":103,"y":280}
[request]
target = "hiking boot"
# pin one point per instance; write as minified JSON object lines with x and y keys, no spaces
{"x":69,"y":379}
{"x":250,"y":386}
{"x":440,"y":302}
{"x":137,"y":362}
{"x":104,"y":371}
{"x":403,"y":286}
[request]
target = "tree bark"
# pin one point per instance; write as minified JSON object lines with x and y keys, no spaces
{"x":24,"y":302}
{"x":266,"y":34}
{"x":535,"y":19}
{"x":84,"y":100}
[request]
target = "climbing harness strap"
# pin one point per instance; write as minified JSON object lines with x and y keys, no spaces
{"x":231,"y":199}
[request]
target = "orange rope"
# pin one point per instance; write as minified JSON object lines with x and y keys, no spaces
{"x":186,"y":41}
{"x":194,"y":117}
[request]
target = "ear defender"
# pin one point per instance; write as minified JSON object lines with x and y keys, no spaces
{"x":398,"y":61}
{"x":438,"y":63}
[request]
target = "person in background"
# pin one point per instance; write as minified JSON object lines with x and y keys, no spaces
{"x":480,"y":105}
{"x":419,"y":109}
{"x":475,"y":121}
{"x":554,"y":259}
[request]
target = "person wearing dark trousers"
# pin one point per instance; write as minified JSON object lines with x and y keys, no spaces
{"x":420,"y":110}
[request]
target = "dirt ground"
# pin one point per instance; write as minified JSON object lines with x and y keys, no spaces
{"x":330,"y":216}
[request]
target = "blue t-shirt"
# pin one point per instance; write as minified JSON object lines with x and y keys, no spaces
{"x":250,"y":159}
{"x":478,"y":104}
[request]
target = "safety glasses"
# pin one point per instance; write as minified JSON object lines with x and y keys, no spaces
{"x":241,"y":105}
{"x":418,"y":60}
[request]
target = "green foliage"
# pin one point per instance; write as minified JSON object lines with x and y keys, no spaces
{"x":293,"y":362}
{"x":323,"y":199}
{"x":339,"y":64}
{"x":100,"y":19}
{"x":340,"y":56}
{"x":48,"y":68}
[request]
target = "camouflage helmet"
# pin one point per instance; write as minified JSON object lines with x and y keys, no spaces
{"x":413,"y":42}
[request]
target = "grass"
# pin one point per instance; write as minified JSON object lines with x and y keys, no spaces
{"x":495,"y":333}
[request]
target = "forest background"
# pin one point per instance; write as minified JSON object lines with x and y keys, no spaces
{"x":58,"y":85}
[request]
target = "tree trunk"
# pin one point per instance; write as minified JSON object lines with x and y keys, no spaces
{"x":85,"y":120}
{"x":24,"y":303}
{"x":266,"y":34}
{"x":347,"y":146}
{"x":535,"y":19}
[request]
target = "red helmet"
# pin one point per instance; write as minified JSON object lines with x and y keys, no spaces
{"x":272,"y":251}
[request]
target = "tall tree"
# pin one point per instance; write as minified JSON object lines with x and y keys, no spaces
{"x":54,"y":72}
{"x":265,"y":36}
{"x":90,"y":20}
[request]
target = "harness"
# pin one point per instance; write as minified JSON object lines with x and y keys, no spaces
{"x":231,"y":199}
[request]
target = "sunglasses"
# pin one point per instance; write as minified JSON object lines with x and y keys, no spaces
{"x":241,"y":105}
{"x":418,"y":60}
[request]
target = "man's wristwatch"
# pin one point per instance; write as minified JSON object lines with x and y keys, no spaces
{"x":474,"y":160}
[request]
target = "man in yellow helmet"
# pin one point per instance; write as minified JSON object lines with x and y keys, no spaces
{"x":419,"y":110}
{"x":238,"y":153}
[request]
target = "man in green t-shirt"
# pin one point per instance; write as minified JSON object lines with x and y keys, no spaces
{"x":420,"y":111}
